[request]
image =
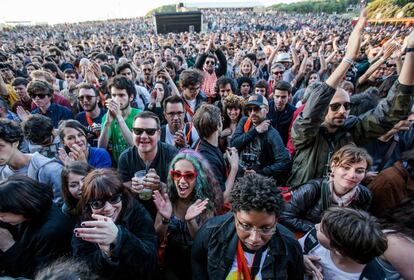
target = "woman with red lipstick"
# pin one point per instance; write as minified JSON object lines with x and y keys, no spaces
{"x":116,"y":236}
{"x":193,"y":195}
{"x":348,"y":167}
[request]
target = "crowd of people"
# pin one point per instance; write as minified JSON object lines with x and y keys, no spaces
{"x":272,"y":146}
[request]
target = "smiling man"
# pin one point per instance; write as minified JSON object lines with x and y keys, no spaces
{"x":148,"y":154}
{"x":248,"y":242}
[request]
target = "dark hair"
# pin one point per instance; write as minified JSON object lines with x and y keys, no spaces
{"x":66,"y":269}
{"x":10,"y":131}
{"x":207,"y":120}
{"x":21,"y":195}
{"x":362,"y":103}
{"x":78,"y":168}
{"x":120,"y":82}
{"x":38,"y":86}
{"x":283,"y":86}
{"x":171,"y":65}
{"x":167,"y":90}
{"x":71,"y":71}
{"x":122,"y":67}
{"x":191,"y":77}
{"x":101,"y":56}
{"x":179,"y":58}
{"x":50,"y":66}
{"x":308,"y":75}
{"x":223,"y":81}
{"x":173,"y":99}
{"x":108,"y":70}
{"x":232,"y":101}
{"x":354,"y":234}
{"x":400,"y":218}
{"x":258,"y":193}
{"x":37,"y":128}
{"x":243,"y":80}
{"x":102,"y":184}
{"x":148,"y":115}
{"x":71,"y":123}
{"x":20,"y":81}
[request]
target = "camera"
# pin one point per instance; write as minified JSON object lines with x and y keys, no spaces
{"x":249,"y":160}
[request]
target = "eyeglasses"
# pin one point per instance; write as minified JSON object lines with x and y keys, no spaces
{"x":147,"y":70}
{"x":210,"y":62}
{"x":148,"y":131}
{"x":188,"y":176}
{"x":40,"y":95}
{"x":336,"y":106}
{"x":261,"y":59}
{"x":87,"y":97}
{"x":266,"y":231}
{"x":100,"y":203}
{"x":172,"y":114}
{"x":253,"y":109}
{"x":277,"y":73}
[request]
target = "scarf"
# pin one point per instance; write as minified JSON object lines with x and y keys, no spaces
{"x":209,"y":83}
{"x":346,"y":199}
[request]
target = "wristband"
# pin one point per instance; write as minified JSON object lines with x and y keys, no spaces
{"x":407,"y":50}
{"x":349,"y":61}
{"x":165,"y":221}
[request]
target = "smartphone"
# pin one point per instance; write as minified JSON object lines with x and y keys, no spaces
{"x":67,"y":149}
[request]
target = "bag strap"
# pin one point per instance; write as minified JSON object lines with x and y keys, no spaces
{"x":326,"y":201}
{"x":311,"y":241}
{"x":386,"y":158}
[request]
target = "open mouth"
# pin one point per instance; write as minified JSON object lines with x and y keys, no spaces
{"x":182,"y":189}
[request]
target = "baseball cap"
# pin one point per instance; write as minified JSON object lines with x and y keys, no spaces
{"x":283,"y":57}
{"x":257,"y":100}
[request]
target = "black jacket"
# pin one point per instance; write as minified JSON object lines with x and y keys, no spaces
{"x":222,"y":67}
{"x":274,"y":158}
{"x":214,"y":250}
{"x":305,"y":208}
{"x":37,"y":243}
{"x":133,"y":257}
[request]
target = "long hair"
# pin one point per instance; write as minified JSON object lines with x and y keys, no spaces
{"x":78,"y":168}
{"x":206,"y":186}
{"x":232,"y":101}
{"x":102,"y":184}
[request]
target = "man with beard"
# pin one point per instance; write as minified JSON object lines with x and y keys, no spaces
{"x":176,"y":132}
{"x":147,"y":77}
{"x":325,"y":126}
{"x":260,"y":147}
{"x":280,"y":111}
{"x":92,"y":114}
{"x":117,"y":122}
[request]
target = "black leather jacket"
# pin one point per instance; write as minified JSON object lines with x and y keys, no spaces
{"x":214,"y":250}
{"x":305,"y":208}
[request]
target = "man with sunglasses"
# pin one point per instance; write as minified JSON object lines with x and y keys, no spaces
{"x":259,"y":144}
{"x":92,"y":114}
{"x":41,"y":94}
{"x":248,"y":242}
{"x":325,"y":126}
{"x":149,"y":154}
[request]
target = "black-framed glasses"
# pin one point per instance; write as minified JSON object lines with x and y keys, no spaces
{"x":265,"y":231}
{"x":210,"y":62}
{"x":100,"y":203}
{"x":40,"y":95}
{"x":172,"y":114}
{"x":148,"y":131}
{"x":336,"y":106}
{"x":87,"y":97}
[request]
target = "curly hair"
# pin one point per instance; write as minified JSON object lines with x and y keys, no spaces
{"x":206,"y":186}
{"x":10,"y":131}
{"x":258,"y":193}
{"x":232,"y":101}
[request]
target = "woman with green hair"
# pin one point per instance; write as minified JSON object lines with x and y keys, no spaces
{"x":193,"y":195}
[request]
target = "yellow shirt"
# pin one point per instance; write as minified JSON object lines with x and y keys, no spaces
{"x":12,"y":96}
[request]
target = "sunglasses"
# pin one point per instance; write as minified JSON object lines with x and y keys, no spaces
{"x":87,"y":97}
{"x":210,"y":62}
{"x":278,"y":73}
{"x":40,"y":95}
{"x":100,"y":203}
{"x":148,"y":131}
{"x":261,"y":59}
{"x":188,"y":176}
{"x":336,"y":106}
{"x":253,"y":109}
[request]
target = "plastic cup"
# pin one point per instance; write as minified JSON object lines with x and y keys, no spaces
{"x":144,"y":194}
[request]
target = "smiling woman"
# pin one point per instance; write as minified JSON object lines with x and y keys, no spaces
{"x":116,"y":236}
{"x":348,"y":167}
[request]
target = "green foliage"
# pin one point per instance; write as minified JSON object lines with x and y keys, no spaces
{"x":162,"y":9}
{"x":315,"y":6}
{"x":390,"y":8}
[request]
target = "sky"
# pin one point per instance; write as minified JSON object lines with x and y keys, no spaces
{"x":58,"y":11}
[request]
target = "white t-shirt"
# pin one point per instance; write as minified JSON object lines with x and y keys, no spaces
{"x":249,"y":260}
{"x":329,"y":270}
{"x":192,"y":104}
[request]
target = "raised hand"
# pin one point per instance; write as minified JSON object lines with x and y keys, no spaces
{"x":163,"y":204}
{"x":102,"y":231}
{"x":196,"y":209}
{"x":354,"y":40}
{"x":23,"y":114}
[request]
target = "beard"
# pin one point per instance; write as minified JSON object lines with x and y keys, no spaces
{"x":92,"y":107}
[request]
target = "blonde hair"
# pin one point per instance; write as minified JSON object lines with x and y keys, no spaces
{"x":253,"y":67}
